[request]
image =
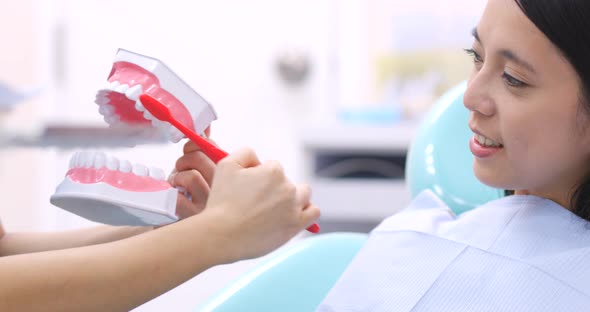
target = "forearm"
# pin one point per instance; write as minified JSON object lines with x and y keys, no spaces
{"x":19,"y":243}
{"x":116,"y":276}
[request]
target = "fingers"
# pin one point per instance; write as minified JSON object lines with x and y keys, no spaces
{"x":303,"y":195}
{"x":245,"y":158}
{"x":193,"y":182}
{"x":310,"y":213}
{"x":185,"y":208}
{"x":197,"y":161}
{"x":190,"y":146}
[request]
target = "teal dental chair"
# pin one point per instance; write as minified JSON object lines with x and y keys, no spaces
{"x":298,"y":278}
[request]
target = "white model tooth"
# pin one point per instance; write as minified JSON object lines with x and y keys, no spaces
{"x":122,"y":88}
{"x":100,"y":160}
{"x":155,"y":123}
{"x":147,"y":115}
{"x":139,"y":106}
{"x":175,"y":135}
{"x":112,"y":163}
{"x":86,"y":159}
{"x":157,"y":173}
{"x":139,"y":170}
{"x":160,"y":125}
{"x":124,"y":166}
{"x":106,"y":109}
{"x":104,"y":93}
{"x":113,"y":85}
{"x":170,"y":134}
{"x":73,"y":160}
{"x":111,"y":119}
{"x":134,"y":92}
{"x":89,"y":160}
{"x":80,"y":159}
{"x":101,"y":99}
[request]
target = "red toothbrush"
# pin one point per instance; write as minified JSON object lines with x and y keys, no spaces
{"x":160,"y":111}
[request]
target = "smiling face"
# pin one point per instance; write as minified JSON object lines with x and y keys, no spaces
{"x":524,"y":97}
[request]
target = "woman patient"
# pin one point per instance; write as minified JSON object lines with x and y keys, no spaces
{"x":529,"y":102}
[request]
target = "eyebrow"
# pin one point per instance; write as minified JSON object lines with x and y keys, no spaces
{"x":507,"y":54}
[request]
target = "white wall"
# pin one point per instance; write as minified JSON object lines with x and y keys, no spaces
{"x":18,"y":63}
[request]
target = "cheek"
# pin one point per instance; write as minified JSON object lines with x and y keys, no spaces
{"x":539,"y":153}
{"x":524,"y":150}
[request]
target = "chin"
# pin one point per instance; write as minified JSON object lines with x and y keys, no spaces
{"x":491,"y":178}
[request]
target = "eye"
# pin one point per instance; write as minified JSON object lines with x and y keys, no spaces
{"x":476,"y":57}
{"x":513,"y":82}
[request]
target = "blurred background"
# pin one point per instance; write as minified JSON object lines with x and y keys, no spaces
{"x":332,"y":89}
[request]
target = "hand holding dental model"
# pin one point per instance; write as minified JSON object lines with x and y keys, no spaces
{"x":247,"y":210}
{"x":142,"y":93}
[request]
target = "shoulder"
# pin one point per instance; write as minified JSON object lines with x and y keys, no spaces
{"x":428,"y":214}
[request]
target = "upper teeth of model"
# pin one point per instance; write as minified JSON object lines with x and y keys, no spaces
{"x":486,"y":141}
{"x":132,"y":93}
{"x":98,"y":160}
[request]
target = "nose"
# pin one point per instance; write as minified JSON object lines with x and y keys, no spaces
{"x":478,"y":96}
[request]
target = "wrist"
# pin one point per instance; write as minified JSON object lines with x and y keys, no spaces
{"x":221,"y":236}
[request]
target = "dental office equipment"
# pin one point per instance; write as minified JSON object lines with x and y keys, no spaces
{"x":10,"y":97}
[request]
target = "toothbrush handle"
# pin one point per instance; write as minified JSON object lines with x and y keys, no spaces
{"x":213,"y":152}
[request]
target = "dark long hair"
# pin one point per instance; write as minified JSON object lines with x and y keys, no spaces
{"x":567,"y":25}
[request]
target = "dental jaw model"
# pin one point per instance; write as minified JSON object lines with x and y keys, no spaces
{"x":104,"y":189}
{"x":133,"y":75}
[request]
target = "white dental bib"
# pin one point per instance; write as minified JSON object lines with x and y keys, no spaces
{"x":518,"y":253}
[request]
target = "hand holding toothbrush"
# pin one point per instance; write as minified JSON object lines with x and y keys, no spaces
{"x":215,"y":155}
